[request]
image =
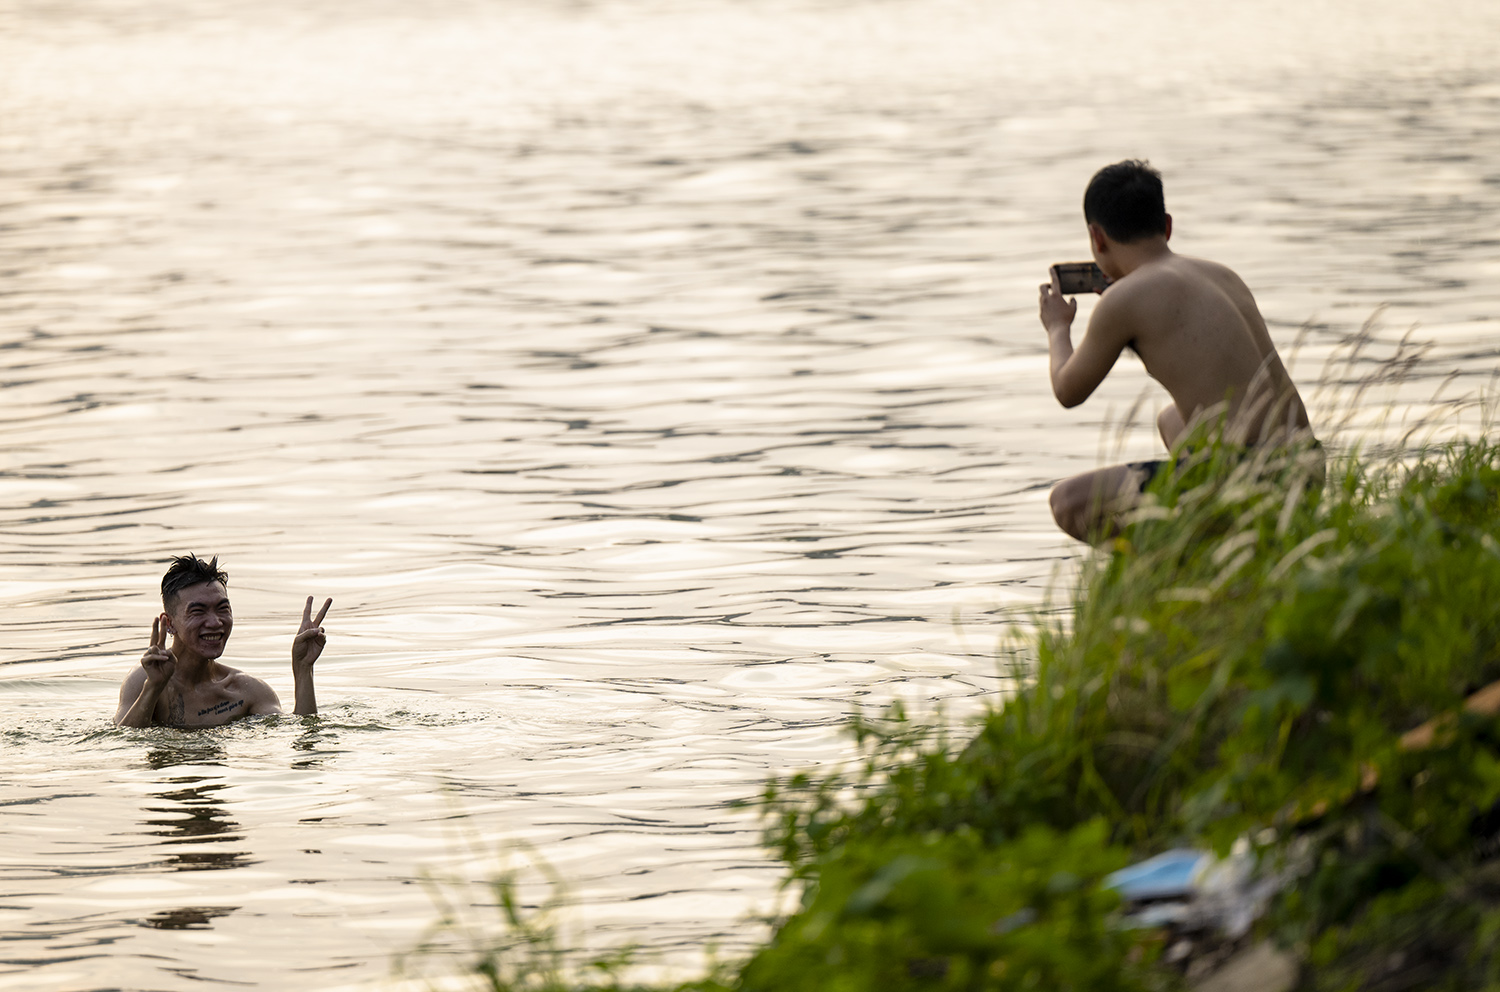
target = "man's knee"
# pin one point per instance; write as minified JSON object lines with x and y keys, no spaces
{"x":1170,"y":425}
{"x":1058,"y":502}
{"x":1088,"y":507}
{"x":1069,"y":501}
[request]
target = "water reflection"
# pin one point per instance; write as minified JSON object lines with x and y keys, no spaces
{"x":193,"y":816}
{"x":187,"y":918}
{"x":311,"y":742}
{"x":185,"y":748}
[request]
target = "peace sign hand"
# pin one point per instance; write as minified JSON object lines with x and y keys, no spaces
{"x":158,"y":661}
{"x":307,"y":646}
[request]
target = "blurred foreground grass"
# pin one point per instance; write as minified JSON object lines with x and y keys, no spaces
{"x":1241,"y":665}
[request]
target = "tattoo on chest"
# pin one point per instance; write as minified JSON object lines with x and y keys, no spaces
{"x":223,"y":707}
{"x":177,"y":711}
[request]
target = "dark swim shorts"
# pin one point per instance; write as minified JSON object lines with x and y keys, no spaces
{"x":1153,"y":468}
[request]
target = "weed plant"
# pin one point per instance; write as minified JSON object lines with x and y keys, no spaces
{"x":1241,"y":663}
{"x":511,"y":934}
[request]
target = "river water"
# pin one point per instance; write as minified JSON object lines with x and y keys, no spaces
{"x":649,"y":383}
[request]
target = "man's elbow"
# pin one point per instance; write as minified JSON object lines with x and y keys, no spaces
{"x":1067,"y":396}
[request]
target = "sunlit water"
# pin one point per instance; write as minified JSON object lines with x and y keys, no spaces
{"x":649,"y":384}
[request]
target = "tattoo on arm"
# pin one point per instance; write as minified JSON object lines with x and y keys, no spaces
{"x":223,"y":707}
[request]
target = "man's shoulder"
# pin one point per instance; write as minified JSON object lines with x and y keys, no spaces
{"x":256,"y":692}
{"x":1199,"y":271}
{"x":1144,"y":283}
{"x":1216,"y":271}
{"x":1181,"y":270}
{"x":233,"y":678}
{"x":1156,"y":285}
{"x":1132,"y":298}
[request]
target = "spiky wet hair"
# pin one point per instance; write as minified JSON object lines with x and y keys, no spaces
{"x":189,"y":570}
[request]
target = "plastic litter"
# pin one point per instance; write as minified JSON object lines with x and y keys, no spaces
{"x":1193,"y":890}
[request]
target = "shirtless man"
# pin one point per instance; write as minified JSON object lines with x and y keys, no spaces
{"x":1195,"y":327}
{"x":186,"y":686}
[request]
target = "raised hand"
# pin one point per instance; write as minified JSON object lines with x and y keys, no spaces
{"x":307,"y":646}
{"x":1056,"y":310}
{"x":158,"y":661}
{"x":138,"y":698}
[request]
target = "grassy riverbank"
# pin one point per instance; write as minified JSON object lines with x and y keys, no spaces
{"x":1242,"y":664}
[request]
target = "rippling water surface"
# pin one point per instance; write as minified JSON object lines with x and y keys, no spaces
{"x":649,"y":383}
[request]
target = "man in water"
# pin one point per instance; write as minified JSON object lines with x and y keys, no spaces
{"x":186,"y":686}
{"x":1195,"y":327}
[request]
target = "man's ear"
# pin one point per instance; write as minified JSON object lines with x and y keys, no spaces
{"x":1097,"y":239}
{"x":1167,"y":235}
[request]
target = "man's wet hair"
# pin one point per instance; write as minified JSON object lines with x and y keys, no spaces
{"x":1126,"y":200}
{"x":189,"y":570}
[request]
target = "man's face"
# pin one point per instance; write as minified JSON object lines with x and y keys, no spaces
{"x":200,"y":620}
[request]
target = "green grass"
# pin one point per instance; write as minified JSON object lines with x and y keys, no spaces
{"x":1241,"y":663}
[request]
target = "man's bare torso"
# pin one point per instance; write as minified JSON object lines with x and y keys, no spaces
{"x":1199,"y":333}
{"x":228,"y":695}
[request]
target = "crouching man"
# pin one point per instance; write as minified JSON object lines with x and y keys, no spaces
{"x":1194,"y":325}
{"x":186,"y":686}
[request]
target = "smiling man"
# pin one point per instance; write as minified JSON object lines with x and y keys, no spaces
{"x":186,"y":686}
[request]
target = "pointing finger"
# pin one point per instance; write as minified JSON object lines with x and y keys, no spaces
{"x":323,"y":612}
{"x":156,"y":636}
{"x":307,"y":612}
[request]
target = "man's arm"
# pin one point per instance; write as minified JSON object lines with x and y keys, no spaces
{"x":138,"y":699}
{"x":307,"y":647}
{"x":143,"y":687}
{"x":1077,"y":373}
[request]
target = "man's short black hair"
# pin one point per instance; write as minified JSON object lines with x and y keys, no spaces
{"x":1126,"y":200}
{"x":189,"y":570}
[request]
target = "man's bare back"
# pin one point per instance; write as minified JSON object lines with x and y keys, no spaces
{"x":1199,"y":333}
{"x":1197,"y":330}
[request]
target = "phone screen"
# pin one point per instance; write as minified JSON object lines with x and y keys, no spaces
{"x":1080,"y":277}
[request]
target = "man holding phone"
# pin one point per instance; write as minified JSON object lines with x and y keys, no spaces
{"x":1194,"y":325}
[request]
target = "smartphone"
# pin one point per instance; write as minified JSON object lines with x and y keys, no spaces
{"x":1079,"y":277}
